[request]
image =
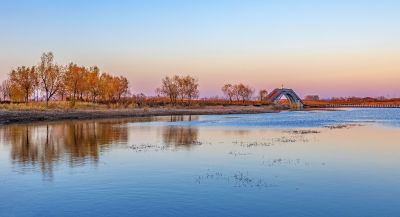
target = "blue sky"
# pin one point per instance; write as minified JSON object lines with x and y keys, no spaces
{"x":311,"y":46}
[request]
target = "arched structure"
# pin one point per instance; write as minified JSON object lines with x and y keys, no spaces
{"x":294,"y":100}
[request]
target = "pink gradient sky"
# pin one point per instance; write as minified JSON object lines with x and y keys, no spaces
{"x":340,"y":48}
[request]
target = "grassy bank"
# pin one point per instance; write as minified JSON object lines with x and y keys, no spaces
{"x":34,"y":113}
{"x":59,"y":105}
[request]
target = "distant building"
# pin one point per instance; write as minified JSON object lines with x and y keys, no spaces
{"x":312,"y":98}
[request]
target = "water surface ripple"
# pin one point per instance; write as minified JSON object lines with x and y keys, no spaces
{"x":307,"y":163}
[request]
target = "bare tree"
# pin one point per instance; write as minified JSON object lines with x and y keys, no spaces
{"x":228,"y":90}
{"x":181,"y":88}
{"x":243,"y":92}
{"x":185,"y":88}
{"x":24,"y":78}
{"x":236,"y":91}
{"x":50,"y":75}
{"x":5,"y":90}
{"x":190,"y":88}
{"x":263,"y":93}
{"x":1,"y":93}
{"x":246,"y":92}
{"x":169,"y":88}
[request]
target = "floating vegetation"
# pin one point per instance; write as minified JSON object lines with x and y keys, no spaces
{"x":238,"y":153}
{"x":238,"y":179}
{"x":288,"y":162}
{"x":343,"y":126}
{"x":253,"y":144}
{"x":243,"y":180}
{"x":339,"y":126}
{"x":284,"y":139}
{"x":146,"y":147}
{"x":280,"y":161}
{"x":162,"y":147}
{"x":211,"y":176}
{"x":273,"y":141}
{"x":302,"y":132}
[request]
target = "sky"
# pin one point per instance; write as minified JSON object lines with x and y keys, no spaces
{"x":329,"y":48}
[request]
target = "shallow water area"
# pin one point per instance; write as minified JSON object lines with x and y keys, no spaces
{"x":306,"y":163}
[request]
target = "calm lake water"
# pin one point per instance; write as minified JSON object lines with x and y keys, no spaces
{"x":309,"y":163}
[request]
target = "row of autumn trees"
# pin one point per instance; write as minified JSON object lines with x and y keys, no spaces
{"x":48,"y":80}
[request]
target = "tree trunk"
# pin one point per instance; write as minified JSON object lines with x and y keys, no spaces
{"x":26,"y":96}
{"x":47,"y":99}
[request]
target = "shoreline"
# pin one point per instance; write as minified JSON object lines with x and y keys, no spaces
{"x":8,"y":117}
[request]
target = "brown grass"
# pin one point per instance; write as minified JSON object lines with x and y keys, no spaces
{"x":351,"y":102}
{"x":152,"y":102}
{"x":59,"y":105}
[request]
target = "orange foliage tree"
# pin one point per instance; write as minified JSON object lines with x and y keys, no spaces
{"x":74,"y":80}
{"x":48,"y":81}
{"x":23,"y":81}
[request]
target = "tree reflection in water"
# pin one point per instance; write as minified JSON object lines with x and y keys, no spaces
{"x":44,"y":145}
{"x":180,"y":136}
{"x":177,"y":118}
